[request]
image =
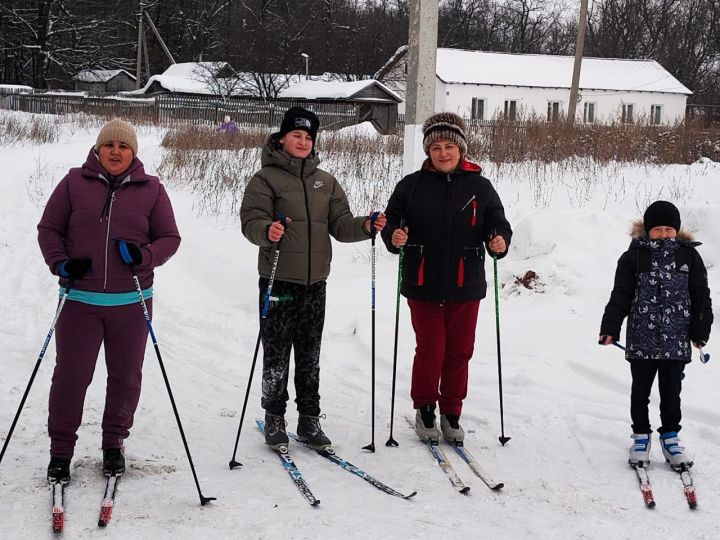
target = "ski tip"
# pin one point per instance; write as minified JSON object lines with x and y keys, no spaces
{"x":410,"y":496}
{"x":497,"y":487}
{"x":102,"y":523}
{"x":651,"y":504}
{"x":315,"y":502}
{"x":464,"y":490}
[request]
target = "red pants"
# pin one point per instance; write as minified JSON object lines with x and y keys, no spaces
{"x":445,"y":337}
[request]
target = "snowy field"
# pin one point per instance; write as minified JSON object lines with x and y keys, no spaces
{"x":566,"y":398}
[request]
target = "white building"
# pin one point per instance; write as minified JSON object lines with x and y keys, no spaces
{"x":485,"y":85}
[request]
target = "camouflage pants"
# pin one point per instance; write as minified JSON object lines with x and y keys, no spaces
{"x":295,"y":320}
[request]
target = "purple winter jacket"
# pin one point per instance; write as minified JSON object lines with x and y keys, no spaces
{"x":86,"y":212}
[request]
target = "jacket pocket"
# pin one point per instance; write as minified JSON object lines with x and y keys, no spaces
{"x":414,"y":264}
{"x":470,"y":267}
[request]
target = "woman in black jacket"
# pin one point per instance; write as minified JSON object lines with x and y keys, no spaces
{"x":444,"y":216}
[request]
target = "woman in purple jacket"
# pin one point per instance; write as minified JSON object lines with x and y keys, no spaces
{"x":104,"y":221}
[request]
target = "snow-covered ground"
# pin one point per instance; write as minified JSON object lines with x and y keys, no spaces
{"x":566,"y":399}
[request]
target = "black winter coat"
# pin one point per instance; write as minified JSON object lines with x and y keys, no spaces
{"x":450,"y":218}
{"x":662,"y":287}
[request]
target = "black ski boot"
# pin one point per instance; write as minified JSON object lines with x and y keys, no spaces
{"x":309,"y":430}
{"x":113,"y":462}
{"x":59,"y":470}
{"x":275,"y":435}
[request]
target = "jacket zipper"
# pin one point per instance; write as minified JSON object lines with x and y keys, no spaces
{"x":451,"y":205}
{"x":309,"y":222}
{"x":107,"y":240}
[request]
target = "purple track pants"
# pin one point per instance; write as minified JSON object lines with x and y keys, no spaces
{"x":80,"y":331}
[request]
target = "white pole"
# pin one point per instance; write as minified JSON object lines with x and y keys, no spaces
{"x":421,"y":75}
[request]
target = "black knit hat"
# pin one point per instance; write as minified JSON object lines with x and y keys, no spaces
{"x":444,"y":126}
{"x":299,"y":118}
{"x":661,"y":213}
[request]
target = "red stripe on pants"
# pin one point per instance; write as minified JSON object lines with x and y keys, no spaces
{"x":445,"y":338}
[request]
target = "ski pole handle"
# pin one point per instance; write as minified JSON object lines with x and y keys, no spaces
{"x":282,"y":218}
{"x":704,"y":357}
{"x":618,"y":345}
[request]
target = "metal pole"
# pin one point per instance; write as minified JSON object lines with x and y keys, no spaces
{"x":582,"y":23}
{"x":49,"y":335}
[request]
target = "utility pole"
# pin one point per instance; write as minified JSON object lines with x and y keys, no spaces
{"x":578,"y":61}
{"x":138,"y":64}
{"x":421,"y":74}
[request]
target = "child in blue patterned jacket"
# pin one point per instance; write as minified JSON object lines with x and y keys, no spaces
{"x":661,"y":286}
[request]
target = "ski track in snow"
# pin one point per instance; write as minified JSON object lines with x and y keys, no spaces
{"x":566,"y":400}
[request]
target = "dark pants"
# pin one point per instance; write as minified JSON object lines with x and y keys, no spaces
{"x":669,"y":374}
{"x":295,"y":320}
{"x":80,"y":331}
{"x":445,"y":338}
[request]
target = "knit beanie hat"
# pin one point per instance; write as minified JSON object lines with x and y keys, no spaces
{"x":117,"y":130}
{"x":661,"y":213}
{"x":444,"y":126}
{"x":299,"y":118}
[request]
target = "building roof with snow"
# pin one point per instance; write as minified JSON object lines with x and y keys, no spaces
{"x":368,"y":90}
{"x":458,"y":66}
{"x":100,"y":75}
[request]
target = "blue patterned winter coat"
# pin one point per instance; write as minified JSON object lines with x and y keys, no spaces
{"x":661,"y":287}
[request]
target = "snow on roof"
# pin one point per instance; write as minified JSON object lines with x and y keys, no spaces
{"x":201,"y":82}
{"x":547,"y":71}
{"x":191,"y":69}
{"x":100,"y":75}
{"x":15,"y":87}
{"x":332,"y":90}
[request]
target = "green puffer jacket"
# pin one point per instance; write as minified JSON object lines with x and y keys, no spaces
{"x":315,"y":203}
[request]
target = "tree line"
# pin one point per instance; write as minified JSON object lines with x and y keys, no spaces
{"x":43,"y":43}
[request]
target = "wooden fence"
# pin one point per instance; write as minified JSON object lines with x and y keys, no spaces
{"x":169,"y":109}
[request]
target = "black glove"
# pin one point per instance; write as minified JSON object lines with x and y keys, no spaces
{"x":73,"y":268}
{"x":129,"y":253}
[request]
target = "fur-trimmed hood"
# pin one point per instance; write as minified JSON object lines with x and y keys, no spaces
{"x":637,"y":232}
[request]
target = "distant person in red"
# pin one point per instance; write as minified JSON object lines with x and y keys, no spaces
{"x":444,"y":216}
{"x":228,"y":126}
{"x":103,"y":220}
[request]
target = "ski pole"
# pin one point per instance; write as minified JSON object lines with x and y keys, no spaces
{"x":203,"y":500}
{"x":391,"y":441}
{"x":373,"y":234}
{"x":61,"y":304}
{"x":263,"y":317}
{"x":503,"y":439}
{"x":704,"y":357}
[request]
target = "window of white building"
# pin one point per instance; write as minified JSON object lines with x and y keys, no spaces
{"x":477,"y":111}
{"x":510,"y":109}
{"x":655,"y":114}
{"x":553,"y":111}
{"x":589,"y":112}
{"x":627,"y":113}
